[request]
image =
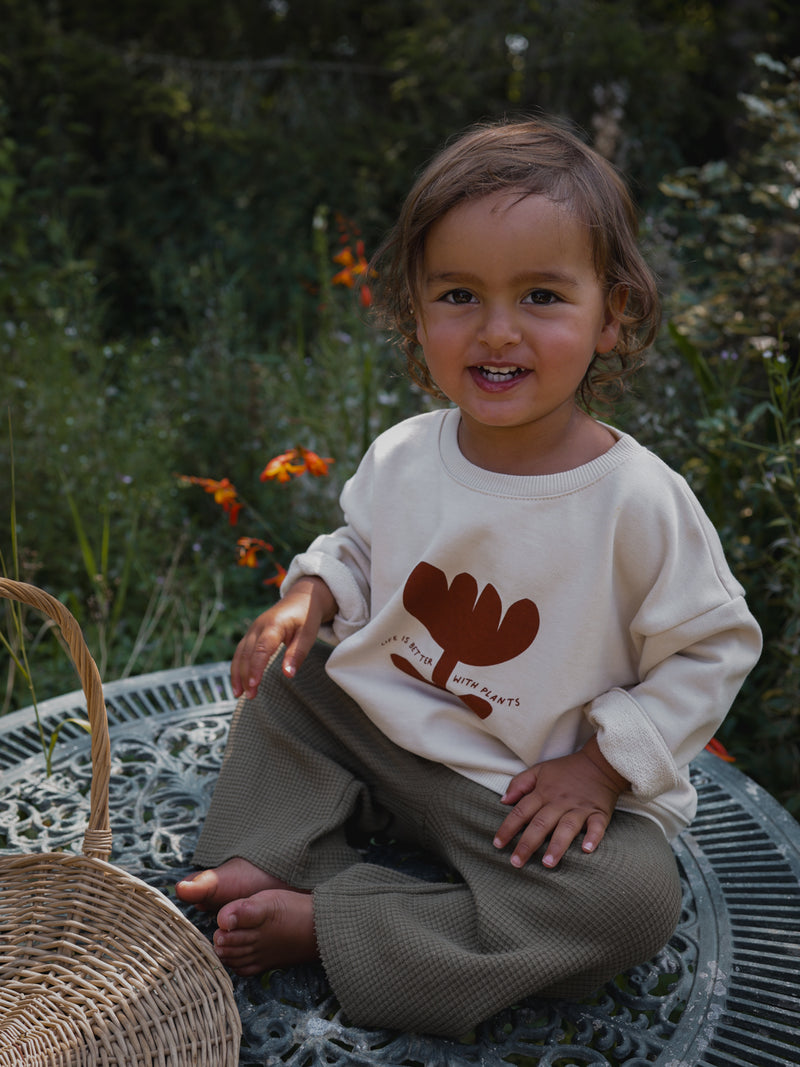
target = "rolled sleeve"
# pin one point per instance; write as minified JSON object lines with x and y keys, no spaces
{"x":691,"y":675}
{"x":350,"y":591}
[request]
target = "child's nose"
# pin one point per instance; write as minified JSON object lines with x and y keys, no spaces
{"x":500,"y":328}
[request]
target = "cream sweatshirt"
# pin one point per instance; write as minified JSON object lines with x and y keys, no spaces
{"x":491,"y":621}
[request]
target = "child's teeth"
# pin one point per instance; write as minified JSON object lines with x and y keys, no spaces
{"x":495,"y":375}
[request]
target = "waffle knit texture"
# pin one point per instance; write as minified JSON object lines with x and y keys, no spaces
{"x":306,"y":776}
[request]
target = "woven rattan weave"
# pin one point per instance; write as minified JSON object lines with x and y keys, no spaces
{"x":96,"y":966}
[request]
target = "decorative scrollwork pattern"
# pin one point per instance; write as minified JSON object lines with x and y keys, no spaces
{"x":164,"y":768}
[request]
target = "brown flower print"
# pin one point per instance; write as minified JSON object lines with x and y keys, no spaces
{"x":469,"y":627}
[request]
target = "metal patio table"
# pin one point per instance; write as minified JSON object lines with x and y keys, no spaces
{"x":725,"y":991}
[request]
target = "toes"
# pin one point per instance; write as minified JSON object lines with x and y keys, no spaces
{"x":199,"y":889}
{"x":270,"y":929}
{"x":228,"y":917}
{"x":238,"y":951}
{"x":233,"y":880}
{"x":233,"y":940}
{"x":238,"y":961}
{"x":249,"y":913}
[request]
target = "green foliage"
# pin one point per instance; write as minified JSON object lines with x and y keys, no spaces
{"x":732,"y":379}
{"x":164,"y":141}
{"x":740,"y":222}
{"x":103,"y":428}
{"x":13,"y":638}
{"x":100,"y":428}
{"x":331,"y":390}
{"x":345,"y":384}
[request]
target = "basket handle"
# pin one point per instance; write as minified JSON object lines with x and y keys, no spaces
{"x":97,"y":839}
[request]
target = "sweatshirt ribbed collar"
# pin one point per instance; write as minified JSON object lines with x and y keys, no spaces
{"x":531,"y":487}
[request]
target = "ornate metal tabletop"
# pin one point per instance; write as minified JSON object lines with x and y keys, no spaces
{"x":725,"y":991}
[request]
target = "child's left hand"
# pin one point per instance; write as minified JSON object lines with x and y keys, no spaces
{"x":557,"y":799}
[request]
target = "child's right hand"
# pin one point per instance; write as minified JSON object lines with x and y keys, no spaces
{"x":294,"y":622}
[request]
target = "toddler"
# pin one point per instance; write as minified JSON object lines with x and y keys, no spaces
{"x":530,"y":631}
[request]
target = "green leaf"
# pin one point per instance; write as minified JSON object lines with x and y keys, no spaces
{"x":83,"y":723}
{"x":698,"y":363}
{"x":89,"y":561}
{"x":678,"y":189}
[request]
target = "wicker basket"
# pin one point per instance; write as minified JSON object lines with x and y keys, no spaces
{"x":97,"y":967}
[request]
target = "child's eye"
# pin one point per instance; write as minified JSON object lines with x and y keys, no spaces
{"x":457,"y":296}
{"x":543,"y":297}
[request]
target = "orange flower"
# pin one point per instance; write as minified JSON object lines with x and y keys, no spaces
{"x":281,"y":468}
{"x":224,"y":493}
{"x":354,"y":268}
{"x":718,"y":749}
{"x":276,"y":579}
{"x":346,"y":276}
{"x":249,"y":547}
{"x":314,"y":464}
{"x":352,"y":265}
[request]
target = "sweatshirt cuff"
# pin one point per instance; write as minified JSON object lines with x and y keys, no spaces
{"x":632,"y":744}
{"x":352,"y":608}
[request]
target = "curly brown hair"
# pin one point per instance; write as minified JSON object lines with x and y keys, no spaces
{"x":534,"y":157}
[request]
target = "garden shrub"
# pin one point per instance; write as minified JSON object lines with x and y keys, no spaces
{"x":729,"y":371}
{"x":103,"y":429}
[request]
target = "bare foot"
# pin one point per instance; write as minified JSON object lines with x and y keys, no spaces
{"x":232,"y":880}
{"x":273,"y":928}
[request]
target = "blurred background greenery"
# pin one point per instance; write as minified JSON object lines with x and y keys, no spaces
{"x":175,"y":179}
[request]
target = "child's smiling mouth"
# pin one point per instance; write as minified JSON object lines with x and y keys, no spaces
{"x":498,"y":375}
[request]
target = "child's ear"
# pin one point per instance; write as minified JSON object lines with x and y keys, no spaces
{"x":612,"y":322}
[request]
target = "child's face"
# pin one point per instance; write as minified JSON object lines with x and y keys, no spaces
{"x":510,"y":317}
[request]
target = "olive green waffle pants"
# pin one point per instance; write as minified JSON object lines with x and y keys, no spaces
{"x":306,"y":775}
